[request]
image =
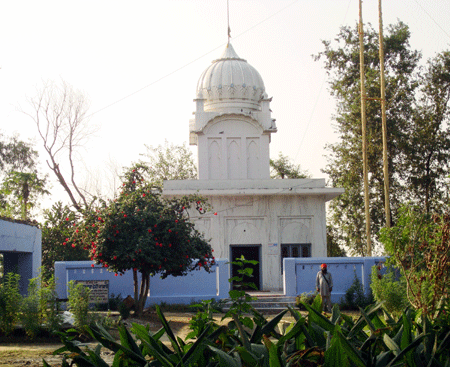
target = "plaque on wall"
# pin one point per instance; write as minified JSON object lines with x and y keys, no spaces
{"x":273,"y":249}
{"x":99,"y":290}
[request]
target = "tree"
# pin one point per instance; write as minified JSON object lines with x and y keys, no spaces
{"x":60,"y":115}
{"x":169,"y":162}
{"x":16,"y":155}
{"x":419,"y":245}
{"x":284,"y":168}
{"x":58,"y":228}
{"x":20,"y":183}
{"x":143,"y":232}
{"x":333,"y":248}
{"x":405,"y":129}
{"x":25,"y":188}
{"x":429,"y":144}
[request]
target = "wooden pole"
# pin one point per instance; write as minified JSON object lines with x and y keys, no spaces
{"x":363,"y":130}
{"x":387,"y":207}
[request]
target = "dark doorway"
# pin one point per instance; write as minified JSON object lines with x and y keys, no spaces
{"x":249,"y":253}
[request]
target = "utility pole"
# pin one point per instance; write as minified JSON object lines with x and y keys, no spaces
{"x":387,"y":207}
{"x":363,"y":130}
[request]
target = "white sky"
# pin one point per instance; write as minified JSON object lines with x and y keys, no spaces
{"x":111,"y":49}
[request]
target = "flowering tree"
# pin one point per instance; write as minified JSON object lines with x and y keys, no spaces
{"x":143,"y":232}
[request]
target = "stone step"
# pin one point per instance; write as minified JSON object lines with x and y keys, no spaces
{"x":269,"y":302}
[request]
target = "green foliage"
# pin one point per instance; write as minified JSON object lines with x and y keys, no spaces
{"x":417,"y":124}
{"x":79,"y":304}
{"x":333,"y":248}
{"x":124,"y":311}
{"x":390,"y":289}
{"x":239,"y":298}
{"x":57,"y":230}
{"x":169,"y":162}
{"x":10,"y":302}
{"x":305,"y":297}
{"x":284,"y":168}
{"x":355,"y":297}
{"x":373,"y":339}
{"x":20,"y":183}
{"x":419,"y":245}
{"x":23,"y":189}
{"x":31,"y":316}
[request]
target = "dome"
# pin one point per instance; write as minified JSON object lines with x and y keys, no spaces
{"x":231,"y":82}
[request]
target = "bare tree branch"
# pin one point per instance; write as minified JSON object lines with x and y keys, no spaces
{"x":60,"y":115}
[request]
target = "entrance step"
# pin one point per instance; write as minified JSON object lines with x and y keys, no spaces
{"x":268,"y":302}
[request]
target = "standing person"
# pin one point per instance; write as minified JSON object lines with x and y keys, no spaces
{"x":324,"y":285}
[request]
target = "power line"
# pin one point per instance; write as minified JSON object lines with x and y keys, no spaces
{"x":190,"y":62}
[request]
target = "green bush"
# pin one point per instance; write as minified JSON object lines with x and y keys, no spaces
{"x":305,"y":297}
{"x":124,"y":310}
{"x":354,"y":297}
{"x":10,"y":302}
{"x":31,"y":316}
{"x":79,"y":303}
{"x":389,"y":289}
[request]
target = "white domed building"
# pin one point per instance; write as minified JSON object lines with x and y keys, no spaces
{"x":261,"y":218}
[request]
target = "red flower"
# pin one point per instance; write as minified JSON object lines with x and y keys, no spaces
{"x":215,"y":213}
{"x":73,"y":245}
{"x":115,"y":274}
{"x":115,"y":257}
{"x":176,"y":220}
{"x":170,"y":230}
{"x":143,"y":195}
{"x":149,"y":231}
{"x":64,"y":243}
{"x":67,"y":218}
{"x":92,"y":265}
{"x":124,"y":215}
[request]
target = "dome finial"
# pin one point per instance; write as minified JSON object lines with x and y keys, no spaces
{"x":228,"y":21}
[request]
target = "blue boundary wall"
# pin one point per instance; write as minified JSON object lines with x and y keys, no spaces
{"x":196,"y":286}
{"x":21,"y":246}
{"x":300,"y":274}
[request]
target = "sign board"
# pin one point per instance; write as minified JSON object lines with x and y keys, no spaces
{"x":273,"y":249}
{"x":99,"y":290}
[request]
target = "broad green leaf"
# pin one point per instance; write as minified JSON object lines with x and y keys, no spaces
{"x":169,"y":332}
{"x":225,"y":360}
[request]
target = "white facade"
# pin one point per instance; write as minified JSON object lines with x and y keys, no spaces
{"x":253,"y":215}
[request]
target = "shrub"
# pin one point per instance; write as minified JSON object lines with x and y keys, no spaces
{"x":305,"y":297}
{"x":390,"y":289}
{"x":355,"y":297}
{"x":79,"y":303}
{"x":124,"y":310}
{"x":31,"y":316}
{"x":48,"y":305}
{"x":10,"y":302}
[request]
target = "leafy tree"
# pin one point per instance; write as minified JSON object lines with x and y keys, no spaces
{"x":284,"y":168}
{"x":57,"y":230}
{"x":24,"y":188}
{"x":146,"y":233}
{"x":419,"y":245}
{"x":169,"y":162}
{"x":20,"y":183}
{"x":16,"y":155}
{"x":410,"y":109}
{"x":428,"y":149}
{"x":333,"y":248}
